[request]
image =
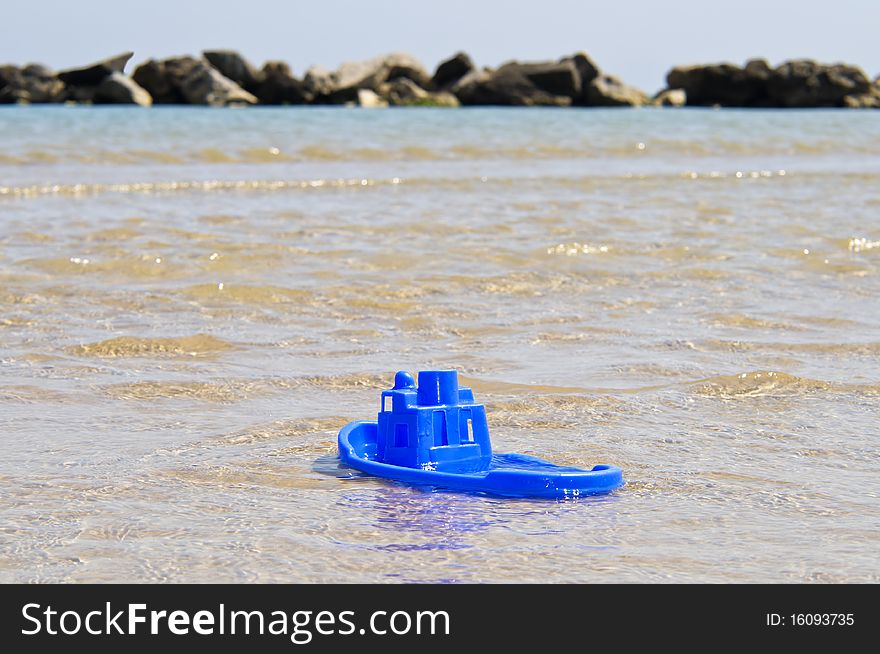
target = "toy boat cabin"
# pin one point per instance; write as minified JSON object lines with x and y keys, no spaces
{"x":436,"y":426}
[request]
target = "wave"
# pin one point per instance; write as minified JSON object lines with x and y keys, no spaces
{"x":192,"y":185}
{"x":132,"y":346}
{"x":765,"y":383}
{"x":867,"y":349}
{"x":247,"y":294}
{"x":286,"y":430}
{"x":430,"y":150}
{"x":465,"y":182}
{"x":742,"y":321}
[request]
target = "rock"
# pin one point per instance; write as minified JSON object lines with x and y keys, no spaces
{"x":278,"y":85}
{"x":758,"y":70}
{"x":205,"y":85}
{"x":186,"y":80}
{"x":8,"y":73}
{"x":587,"y":72}
{"x":80,"y":94}
{"x":403,"y":92}
{"x":162,"y":79}
{"x":586,"y":68}
{"x":10,"y":78}
{"x":369,"y":99}
{"x":869,"y":100}
{"x":476,"y":76}
{"x":37,"y":71}
{"x":353,"y":76}
{"x":863,"y":101}
{"x":406,"y":66}
{"x":441,"y":99}
{"x":95,"y":73}
{"x":119,"y":89}
{"x":670,"y":98}
{"x":343,"y":84}
{"x":555,"y":78}
{"x":507,"y":86}
{"x":452,"y":70}
{"x":318,"y":82}
{"x":33,"y":83}
{"x":608,"y":91}
{"x":235,"y":67}
{"x":798,"y":83}
{"x":805,"y":83}
{"x":722,"y":84}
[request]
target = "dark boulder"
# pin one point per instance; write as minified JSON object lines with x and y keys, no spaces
{"x":10,"y":84}
{"x":116,"y":88}
{"x":95,"y":73}
{"x":9,"y":74}
{"x":556,"y":78}
{"x":163,"y":79}
{"x":342,"y":85}
{"x":609,"y":91}
{"x":205,"y":85}
{"x":869,"y":100}
{"x":37,"y":71}
{"x":798,"y":83}
{"x":278,"y":85}
{"x":805,"y":83}
{"x":758,"y":70}
{"x":587,"y":71}
{"x":670,"y":98}
{"x":235,"y":67}
{"x":452,"y":70}
{"x":507,"y":86}
{"x":32,"y":84}
{"x":318,"y":82}
{"x":722,"y":84}
{"x":406,"y":67}
{"x":403,"y":92}
{"x":79,"y":94}
{"x":187,"y":80}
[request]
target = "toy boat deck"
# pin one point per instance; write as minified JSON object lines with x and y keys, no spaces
{"x":512,"y":475}
{"x":437,"y":435}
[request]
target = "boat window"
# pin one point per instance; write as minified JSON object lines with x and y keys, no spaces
{"x":386,"y":403}
{"x":466,"y":427}
{"x":401,"y":435}
{"x":440,"y":436}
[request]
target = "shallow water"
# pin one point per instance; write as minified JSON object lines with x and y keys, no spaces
{"x":193,"y":302}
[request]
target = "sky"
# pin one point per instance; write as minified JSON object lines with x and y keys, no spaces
{"x":637,"y":40}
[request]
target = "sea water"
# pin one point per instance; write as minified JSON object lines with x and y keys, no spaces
{"x":194,"y":301}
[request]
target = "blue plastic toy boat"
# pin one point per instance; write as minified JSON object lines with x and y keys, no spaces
{"x":437,"y":435}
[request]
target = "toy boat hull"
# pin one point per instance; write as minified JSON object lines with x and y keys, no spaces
{"x":510,"y":475}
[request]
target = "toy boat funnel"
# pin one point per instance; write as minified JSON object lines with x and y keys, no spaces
{"x":436,"y":434}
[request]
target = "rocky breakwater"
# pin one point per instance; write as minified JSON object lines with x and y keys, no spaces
{"x":178,"y":80}
{"x":187,"y":80}
{"x":99,"y":83}
{"x":571,"y":81}
{"x":800,"y":83}
{"x":224,"y":77}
